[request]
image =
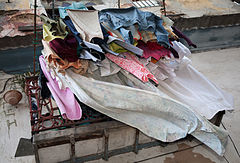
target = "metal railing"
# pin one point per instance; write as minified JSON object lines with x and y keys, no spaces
{"x":45,"y":116}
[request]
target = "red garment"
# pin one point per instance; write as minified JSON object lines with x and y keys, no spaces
{"x":133,"y":65}
{"x":65,"y":49}
{"x":153,"y":49}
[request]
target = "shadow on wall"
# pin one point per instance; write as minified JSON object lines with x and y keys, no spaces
{"x":214,"y":38}
{"x":16,"y":61}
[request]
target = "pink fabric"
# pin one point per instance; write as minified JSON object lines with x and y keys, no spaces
{"x":65,"y":99}
{"x":133,"y":65}
{"x":152,"y":49}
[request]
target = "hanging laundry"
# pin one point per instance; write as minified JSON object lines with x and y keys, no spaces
{"x":65,"y":99}
{"x":118,"y":19}
{"x":132,"y":65}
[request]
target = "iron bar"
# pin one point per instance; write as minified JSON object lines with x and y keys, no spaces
{"x":119,"y":3}
{"x":72,"y":150}
{"x":106,"y":137}
{"x":135,"y":148}
{"x":164,"y":7}
{"x":53,"y":9}
{"x":35,"y":36}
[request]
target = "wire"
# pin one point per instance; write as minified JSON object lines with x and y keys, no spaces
{"x":231,"y":140}
{"x":5,"y":84}
{"x":226,"y":159}
{"x":170,"y":153}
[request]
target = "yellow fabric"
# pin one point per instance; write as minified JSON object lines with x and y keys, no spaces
{"x":47,"y":35}
{"x":118,"y":49}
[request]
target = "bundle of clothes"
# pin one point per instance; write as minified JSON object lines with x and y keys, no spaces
{"x":129,"y":65}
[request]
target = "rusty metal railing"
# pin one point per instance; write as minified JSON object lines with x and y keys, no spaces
{"x":45,"y":116}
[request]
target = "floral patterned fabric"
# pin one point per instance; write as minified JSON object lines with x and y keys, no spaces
{"x":133,"y":65}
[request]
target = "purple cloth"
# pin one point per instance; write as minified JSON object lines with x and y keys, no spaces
{"x":181,"y":35}
{"x":66,"y":102}
{"x":65,"y":49}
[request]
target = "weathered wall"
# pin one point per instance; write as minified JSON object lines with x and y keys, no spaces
{"x":14,"y":124}
{"x":14,"y":5}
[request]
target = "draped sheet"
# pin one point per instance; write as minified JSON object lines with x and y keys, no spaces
{"x":195,"y":90}
{"x":147,"y":109}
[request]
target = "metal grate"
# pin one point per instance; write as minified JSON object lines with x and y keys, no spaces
{"x":146,"y":3}
{"x":44,"y":116}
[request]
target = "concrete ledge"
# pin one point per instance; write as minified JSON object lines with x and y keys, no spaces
{"x":206,"y":21}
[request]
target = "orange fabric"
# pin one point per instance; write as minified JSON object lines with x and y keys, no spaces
{"x":53,"y":59}
{"x":153,"y":60}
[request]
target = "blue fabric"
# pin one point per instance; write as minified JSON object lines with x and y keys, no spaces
{"x":71,"y":26}
{"x":117,"y":19}
{"x":74,"y":5}
{"x":82,"y":46}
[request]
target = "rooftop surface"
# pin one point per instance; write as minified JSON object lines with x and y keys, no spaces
{"x":220,"y":66}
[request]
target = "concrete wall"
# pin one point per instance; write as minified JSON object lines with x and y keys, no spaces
{"x":119,"y":136}
{"x":14,"y":124}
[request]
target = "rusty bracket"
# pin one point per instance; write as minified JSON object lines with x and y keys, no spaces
{"x":106,"y":138}
{"x":72,"y":151}
{"x":135,"y":146}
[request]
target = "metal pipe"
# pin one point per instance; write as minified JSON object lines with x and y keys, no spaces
{"x":35,"y":36}
{"x":119,"y":3}
{"x":164,"y":8}
{"x":53,"y":8}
